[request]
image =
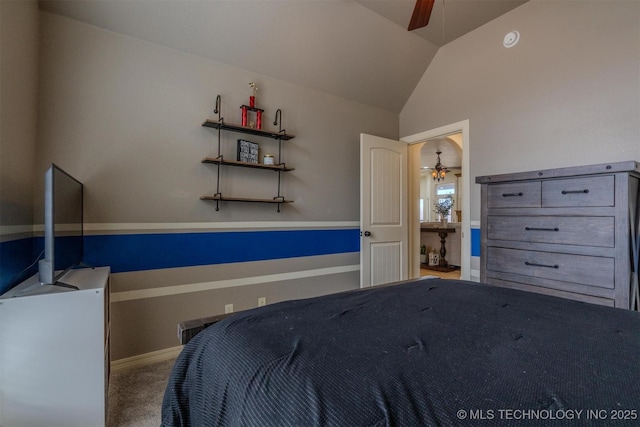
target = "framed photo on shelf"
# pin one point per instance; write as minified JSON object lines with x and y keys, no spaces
{"x":247,"y":151}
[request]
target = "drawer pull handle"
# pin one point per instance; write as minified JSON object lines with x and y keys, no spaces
{"x":541,"y":229}
{"x":585,"y":191}
{"x":533,"y":264}
{"x":512,"y":194}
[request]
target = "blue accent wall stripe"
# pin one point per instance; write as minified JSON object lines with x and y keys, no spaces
{"x":137,"y":252}
{"x":475,"y":242}
{"x":15,"y":256}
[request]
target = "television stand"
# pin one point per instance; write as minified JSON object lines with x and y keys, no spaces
{"x":42,"y":288}
{"x":66,"y":285}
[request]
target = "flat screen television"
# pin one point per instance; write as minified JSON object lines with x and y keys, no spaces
{"x":63,"y":230}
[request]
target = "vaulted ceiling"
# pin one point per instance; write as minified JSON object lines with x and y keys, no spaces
{"x":359,"y":50}
{"x":449,"y":20}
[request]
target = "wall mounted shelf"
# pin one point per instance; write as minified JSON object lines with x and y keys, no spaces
{"x":278,"y":166}
{"x":247,"y":130}
{"x":221,"y":161}
{"x":218,"y":197}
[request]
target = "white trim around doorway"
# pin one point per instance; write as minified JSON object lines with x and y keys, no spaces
{"x":462,"y":127}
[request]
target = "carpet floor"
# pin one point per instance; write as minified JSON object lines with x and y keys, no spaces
{"x":135,"y":395}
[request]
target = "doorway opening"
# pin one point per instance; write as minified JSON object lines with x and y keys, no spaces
{"x":440,"y":228}
{"x":423,"y":191}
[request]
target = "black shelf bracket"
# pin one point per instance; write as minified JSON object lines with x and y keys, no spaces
{"x":218,"y":109}
{"x":278,"y":121}
{"x":280,"y":199}
{"x":217,"y":197}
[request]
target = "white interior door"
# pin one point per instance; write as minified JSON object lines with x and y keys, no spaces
{"x":383,"y":211}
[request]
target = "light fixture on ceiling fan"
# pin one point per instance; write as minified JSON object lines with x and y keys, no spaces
{"x":439,"y":171}
{"x":421,"y":14}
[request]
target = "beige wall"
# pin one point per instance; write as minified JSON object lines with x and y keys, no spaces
{"x":142,"y":324}
{"x":124,"y":117}
{"x":567,"y":94}
{"x":19,"y":22}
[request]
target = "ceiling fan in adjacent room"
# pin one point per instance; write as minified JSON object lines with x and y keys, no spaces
{"x":421,"y":14}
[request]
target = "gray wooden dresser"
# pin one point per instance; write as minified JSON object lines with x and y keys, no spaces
{"x":569,"y":232}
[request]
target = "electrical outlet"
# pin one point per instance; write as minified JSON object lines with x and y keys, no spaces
{"x":228,"y":308}
{"x":262,"y":301}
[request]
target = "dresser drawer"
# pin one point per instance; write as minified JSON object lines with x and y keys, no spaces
{"x":565,"y":230}
{"x":551,"y":291}
{"x":514,"y":195}
{"x":582,"y":269}
{"x":590,"y":191}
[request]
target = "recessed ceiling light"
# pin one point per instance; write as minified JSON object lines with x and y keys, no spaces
{"x":511,"y":39}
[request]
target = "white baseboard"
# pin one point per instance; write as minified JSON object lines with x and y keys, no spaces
{"x":145,"y":359}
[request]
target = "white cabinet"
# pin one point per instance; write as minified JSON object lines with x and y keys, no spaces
{"x":54,"y":352}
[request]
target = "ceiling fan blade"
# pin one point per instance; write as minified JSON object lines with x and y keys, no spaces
{"x":421,"y":14}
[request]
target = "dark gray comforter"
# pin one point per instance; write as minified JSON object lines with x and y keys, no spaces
{"x":423,"y":353}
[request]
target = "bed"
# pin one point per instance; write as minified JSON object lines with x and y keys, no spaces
{"x":418,"y":353}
